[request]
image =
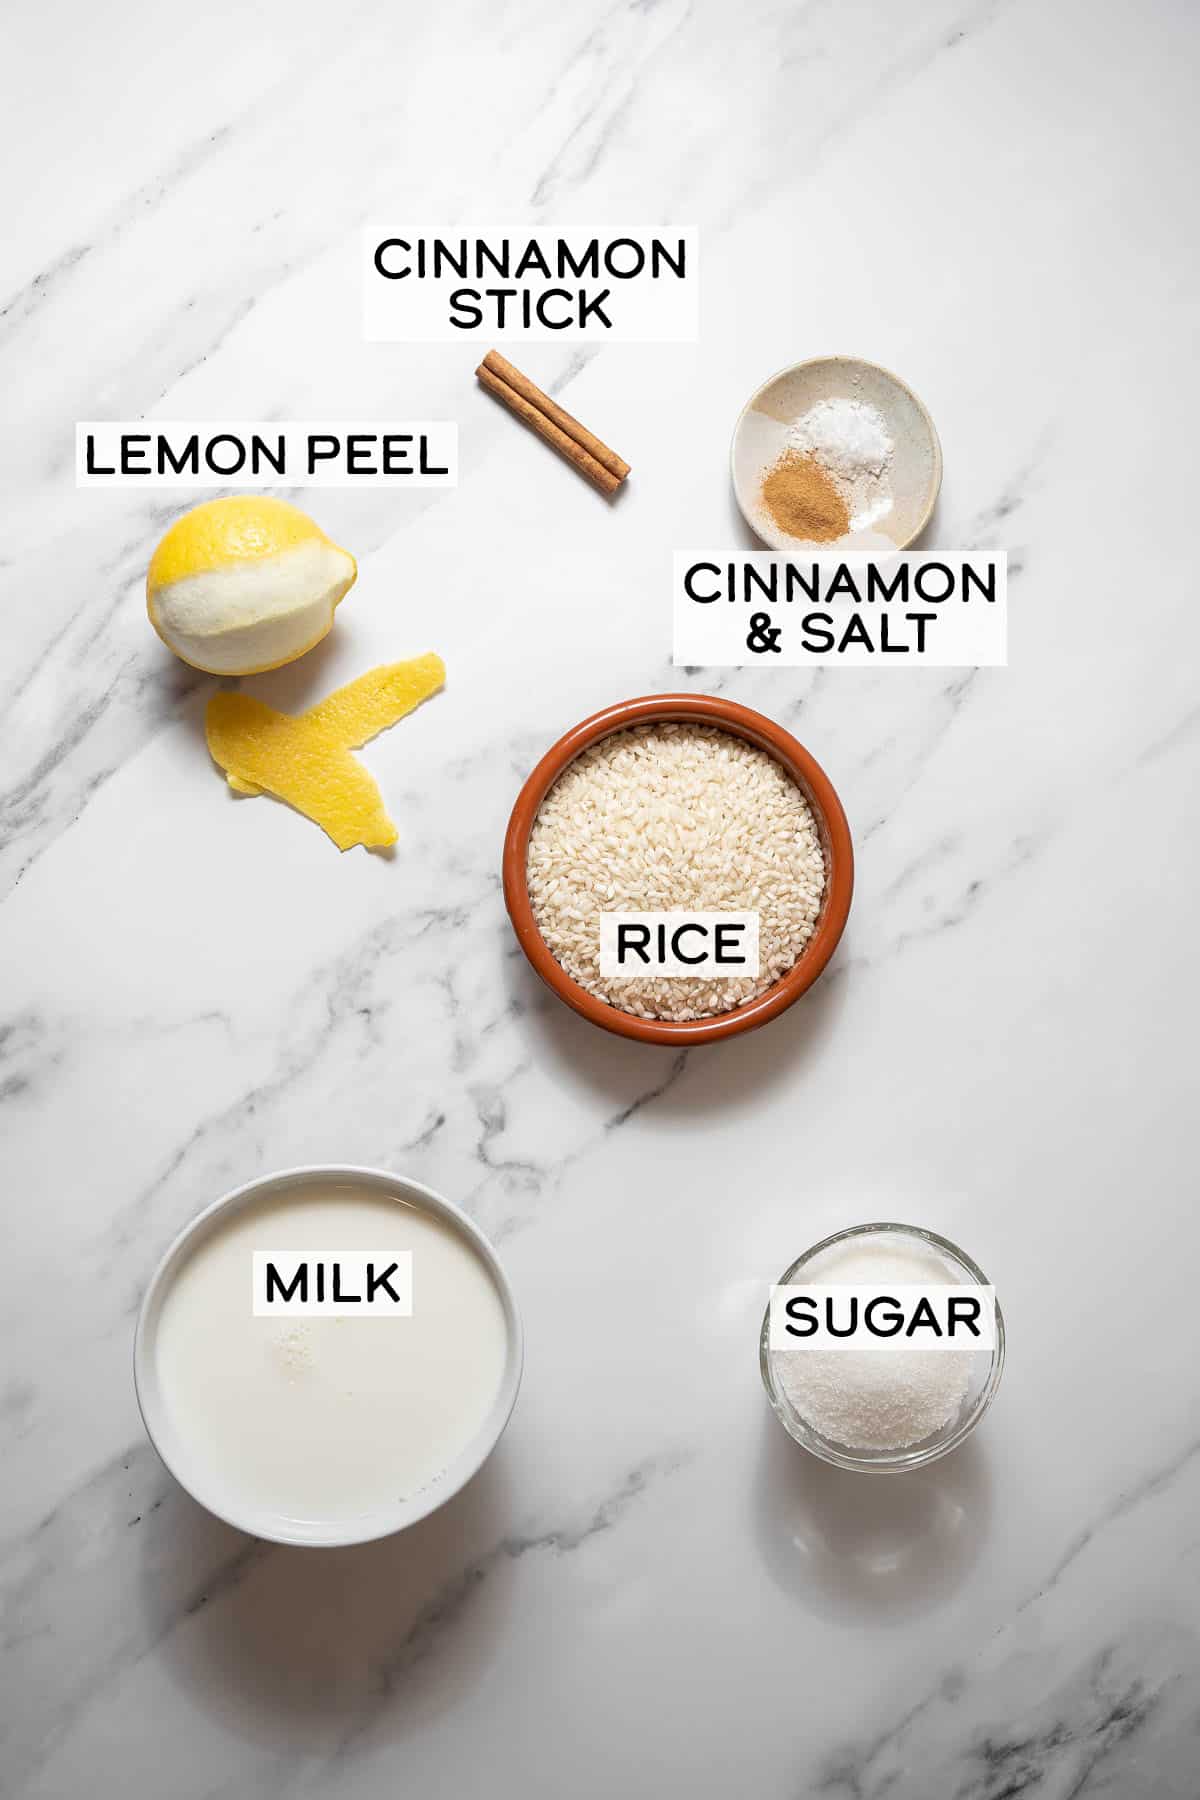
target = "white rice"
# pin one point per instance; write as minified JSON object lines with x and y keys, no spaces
{"x":675,"y":817}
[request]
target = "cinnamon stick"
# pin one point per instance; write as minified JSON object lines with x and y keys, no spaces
{"x":589,"y":454}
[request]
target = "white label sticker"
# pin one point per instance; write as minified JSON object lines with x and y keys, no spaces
{"x":242,"y":454}
{"x":443,"y":285}
{"x":853,"y":611}
{"x":679,"y":943}
{"x":333,"y":1284}
{"x":820,"y":1316}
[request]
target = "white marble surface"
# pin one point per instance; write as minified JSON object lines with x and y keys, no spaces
{"x":648,"y":1590}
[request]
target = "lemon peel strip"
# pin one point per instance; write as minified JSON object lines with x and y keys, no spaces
{"x":363,"y":708}
{"x":370,"y":704}
{"x":305,"y":759}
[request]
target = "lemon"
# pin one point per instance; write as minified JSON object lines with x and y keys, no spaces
{"x":245,"y":583}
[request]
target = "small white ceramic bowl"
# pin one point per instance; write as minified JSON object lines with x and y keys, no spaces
{"x":760,"y":435}
{"x":201,"y":1482}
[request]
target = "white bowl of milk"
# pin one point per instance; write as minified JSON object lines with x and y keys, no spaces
{"x":327,"y":1355}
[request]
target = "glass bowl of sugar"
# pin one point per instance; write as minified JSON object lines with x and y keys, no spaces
{"x":881,"y":1410}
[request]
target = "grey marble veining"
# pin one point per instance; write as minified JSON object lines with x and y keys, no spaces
{"x":648,"y":1589}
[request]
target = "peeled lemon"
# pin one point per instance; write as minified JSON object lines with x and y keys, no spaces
{"x":244,"y":584}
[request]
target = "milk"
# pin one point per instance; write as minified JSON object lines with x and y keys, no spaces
{"x":318,"y":1418}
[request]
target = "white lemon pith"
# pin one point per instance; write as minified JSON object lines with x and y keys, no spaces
{"x":245,"y":584}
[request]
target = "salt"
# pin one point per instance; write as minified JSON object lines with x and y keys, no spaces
{"x":876,"y":1399}
{"x":851,"y":442}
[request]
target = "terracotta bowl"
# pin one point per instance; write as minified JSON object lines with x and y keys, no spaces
{"x":809,"y":777}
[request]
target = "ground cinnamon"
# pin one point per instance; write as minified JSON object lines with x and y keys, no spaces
{"x":803,"y":500}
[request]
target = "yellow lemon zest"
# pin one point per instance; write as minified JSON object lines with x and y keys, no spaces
{"x":305,"y":759}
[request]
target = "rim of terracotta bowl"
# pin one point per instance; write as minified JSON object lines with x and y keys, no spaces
{"x":804,"y":770}
{"x":861,"y":362}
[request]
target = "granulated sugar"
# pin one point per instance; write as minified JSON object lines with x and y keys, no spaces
{"x":875,"y":1399}
{"x":675,"y":818}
